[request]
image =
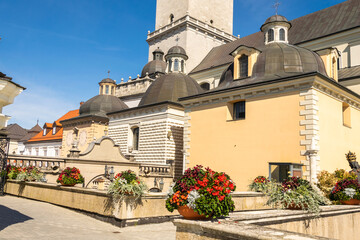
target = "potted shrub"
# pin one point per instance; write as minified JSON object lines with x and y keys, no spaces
{"x":202,"y":193}
{"x":29,"y":174}
{"x":296,"y":193}
{"x":70,"y":177}
{"x":346,"y":191}
{"x":259,"y":184}
{"x":126,"y":183}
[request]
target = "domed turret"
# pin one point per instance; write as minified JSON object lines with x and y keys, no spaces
{"x":169,"y":88}
{"x":100,"y":105}
{"x":107,"y":87}
{"x":276,"y":29}
{"x":176,"y":58}
{"x":155,"y":67}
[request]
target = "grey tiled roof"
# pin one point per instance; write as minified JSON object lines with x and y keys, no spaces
{"x":340,"y":17}
{"x":16,"y":132}
{"x":349,"y":73}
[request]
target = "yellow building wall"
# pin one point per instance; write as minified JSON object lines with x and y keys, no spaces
{"x":93,"y":131}
{"x":335,"y":138}
{"x":243,"y":148}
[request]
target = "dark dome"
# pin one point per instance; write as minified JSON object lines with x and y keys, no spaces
{"x":278,"y":60}
{"x":275,"y":18}
{"x":100,"y":105}
{"x":107,"y":80}
{"x":158,"y":50}
{"x":177,"y":50}
{"x":170,"y":87}
{"x":153,"y":67}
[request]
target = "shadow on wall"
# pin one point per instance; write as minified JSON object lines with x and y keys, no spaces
{"x":9,"y":217}
{"x":177,"y":134}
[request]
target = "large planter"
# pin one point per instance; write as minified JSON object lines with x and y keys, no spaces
{"x":351,"y":202}
{"x":293,"y":206}
{"x":68,"y":185}
{"x":190,"y":214}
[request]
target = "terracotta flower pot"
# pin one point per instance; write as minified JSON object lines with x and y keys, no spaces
{"x":293,"y":206}
{"x":190,"y":214}
{"x":68,"y":185}
{"x":351,"y":202}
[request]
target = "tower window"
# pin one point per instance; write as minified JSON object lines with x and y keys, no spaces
{"x":243,"y":63}
{"x":176,"y":65}
{"x":270,"y":35}
{"x":170,"y":65}
{"x":101,"y":90}
{"x":171,"y":18}
{"x":282,"y":34}
{"x":135,"y":143}
{"x":183,"y":66}
{"x":239,"y":110}
{"x":107,"y":89}
{"x":112,"y":90}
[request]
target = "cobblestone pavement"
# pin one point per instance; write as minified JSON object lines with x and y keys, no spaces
{"x":27,"y":219}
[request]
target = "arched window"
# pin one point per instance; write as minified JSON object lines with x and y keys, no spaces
{"x":112,"y":90}
{"x":183,"y":66}
{"x":135,"y":142}
{"x":243,"y":63}
{"x":170,"y":65}
{"x":171,"y":18}
{"x":205,"y":86}
{"x":107,"y":89}
{"x":176,"y":65}
{"x":270,"y":35}
{"x":282,"y":34}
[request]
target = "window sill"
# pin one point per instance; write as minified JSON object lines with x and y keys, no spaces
{"x":345,"y":125}
{"x":235,"y":120}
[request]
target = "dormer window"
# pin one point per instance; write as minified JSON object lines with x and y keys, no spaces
{"x":54,"y":130}
{"x":44,"y":132}
{"x":243,"y":63}
{"x":270,"y":35}
{"x":282,"y":34}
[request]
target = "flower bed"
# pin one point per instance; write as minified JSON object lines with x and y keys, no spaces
{"x":346,"y":189}
{"x":203,"y":190}
{"x":24,"y":174}
{"x":70,"y":177}
{"x":127,"y":183}
{"x":296,"y":193}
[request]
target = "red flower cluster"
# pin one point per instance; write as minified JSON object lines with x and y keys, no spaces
{"x":261,"y":179}
{"x":208,"y":183}
{"x":346,"y":183}
{"x":128,"y":175}
{"x":293,"y":183}
{"x":70,"y":176}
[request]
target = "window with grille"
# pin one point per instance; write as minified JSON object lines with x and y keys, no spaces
{"x":244,"y":62}
{"x":239,"y":110}
{"x":270,"y":35}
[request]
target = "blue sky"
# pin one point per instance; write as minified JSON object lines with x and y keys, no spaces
{"x":60,"y":49}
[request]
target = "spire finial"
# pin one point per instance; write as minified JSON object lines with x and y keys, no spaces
{"x":276,"y":6}
{"x":37,"y":121}
{"x":108,"y":73}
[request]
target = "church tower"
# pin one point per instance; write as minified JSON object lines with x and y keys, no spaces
{"x":195,"y":25}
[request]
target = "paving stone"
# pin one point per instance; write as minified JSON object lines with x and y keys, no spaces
{"x":27,"y":219}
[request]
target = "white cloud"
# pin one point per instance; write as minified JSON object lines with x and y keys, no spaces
{"x":38,"y":102}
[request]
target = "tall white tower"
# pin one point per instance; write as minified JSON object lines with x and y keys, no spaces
{"x":195,"y":25}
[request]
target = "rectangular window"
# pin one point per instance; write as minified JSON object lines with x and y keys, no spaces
{"x":239,"y":110}
{"x":346,"y":114}
{"x":244,"y":64}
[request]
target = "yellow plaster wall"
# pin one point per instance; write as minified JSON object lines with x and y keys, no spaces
{"x":243,"y":148}
{"x":335,"y":138}
{"x":93,"y":131}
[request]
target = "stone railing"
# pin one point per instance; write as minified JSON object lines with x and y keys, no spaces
{"x":196,"y":22}
{"x":36,"y":161}
{"x":155,"y":169}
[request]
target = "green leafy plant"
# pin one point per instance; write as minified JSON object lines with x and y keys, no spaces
{"x":70,"y":176}
{"x":126,"y":183}
{"x":296,"y":193}
{"x":259,"y":184}
{"x":13,"y":171}
{"x":345,"y":189}
{"x":326,"y":180}
{"x":29,"y":174}
{"x":205,"y":191}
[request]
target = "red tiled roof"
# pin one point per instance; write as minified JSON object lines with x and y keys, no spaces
{"x":58,"y":135}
